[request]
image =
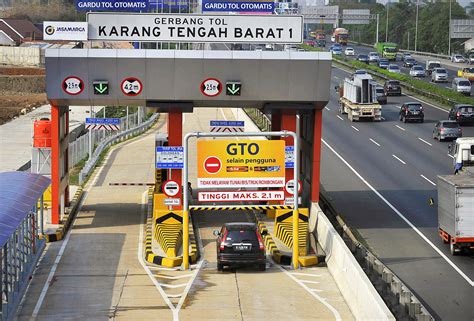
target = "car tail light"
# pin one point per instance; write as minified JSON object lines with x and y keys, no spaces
{"x":458,"y":114}
{"x":442,"y":130}
{"x":260,"y":241}
{"x":223,"y":240}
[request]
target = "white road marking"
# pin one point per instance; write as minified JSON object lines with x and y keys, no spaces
{"x":173,"y":277}
{"x":399,"y":127}
{"x":400,"y":160}
{"x":429,"y":181}
{"x":382,"y":118}
{"x":310,"y":291}
{"x":172,"y":286}
{"x":451,"y":156}
{"x":424,"y":141}
{"x":454,"y":266}
{"x":355,"y":128}
{"x":59,"y":256}
{"x":305,"y":274}
{"x":310,"y":282}
{"x":339,"y":117}
{"x":327,"y":108}
{"x":373,"y":141}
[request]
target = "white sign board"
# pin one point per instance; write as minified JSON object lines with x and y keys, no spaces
{"x":65,"y":30}
{"x":195,"y":28}
{"x":241,"y":196}
{"x":172,"y":201}
{"x":355,"y":16}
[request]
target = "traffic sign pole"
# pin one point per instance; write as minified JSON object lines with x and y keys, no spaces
{"x":186,"y":138}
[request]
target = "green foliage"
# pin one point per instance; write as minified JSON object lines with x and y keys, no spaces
{"x":115,"y":111}
{"x":433,"y":27}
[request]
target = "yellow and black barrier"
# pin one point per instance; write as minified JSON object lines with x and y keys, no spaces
{"x":284,"y":228}
{"x":173,"y":219}
{"x":169,"y":231}
{"x":239,"y":208}
{"x":67,"y":219}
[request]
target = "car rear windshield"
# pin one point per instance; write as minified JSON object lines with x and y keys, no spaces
{"x":417,"y":68}
{"x":441,"y":71}
{"x":464,"y":83}
{"x":414,"y":107}
{"x":379,"y":90}
{"x":450,"y":125}
{"x":466,"y":109}
{"x":241,"y":235}
{"x":394,"y":83}
{"x":434,"y":65}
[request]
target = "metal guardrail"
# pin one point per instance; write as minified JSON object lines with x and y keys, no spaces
{"x":400,"y":300}
{"x":414,"y":89}
{"x":92,"y":162}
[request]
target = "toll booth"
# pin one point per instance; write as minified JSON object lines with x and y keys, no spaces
{"x":21,"y":227}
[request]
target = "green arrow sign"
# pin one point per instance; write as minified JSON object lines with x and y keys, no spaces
{"x":233,"y":88}
{"x":101,"y":87}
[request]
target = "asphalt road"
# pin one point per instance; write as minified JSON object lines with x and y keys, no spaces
{"x":451,"y":68}
{"x":401,"y":162}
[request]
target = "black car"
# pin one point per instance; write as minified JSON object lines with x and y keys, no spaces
{"x":363,"y":58}
{"x":392,"y":87}
{"x":380,"y":94}
{"x":409,"y":62}
{"x":462,"y":113}
{"x":240,"y":244}
{"x":411,"y":111}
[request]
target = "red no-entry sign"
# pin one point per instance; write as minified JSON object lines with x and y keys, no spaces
{"x":212,"y":165}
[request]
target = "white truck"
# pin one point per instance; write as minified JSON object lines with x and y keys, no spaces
{"x":358,"y":98}
{"x":456,"y":198}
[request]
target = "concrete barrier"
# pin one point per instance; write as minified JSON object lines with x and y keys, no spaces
{"x":21,"y":56}
{"x":359,"y":293}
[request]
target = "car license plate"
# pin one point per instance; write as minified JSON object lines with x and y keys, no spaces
{"x":243,"y":247}
{"x":416,"y":112}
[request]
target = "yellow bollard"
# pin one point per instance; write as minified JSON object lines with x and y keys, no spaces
{"x":296,"y":244}
{"x":185,"y":240}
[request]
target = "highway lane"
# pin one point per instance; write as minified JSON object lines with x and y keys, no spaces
{"x":392,"y":156}
{"x":452,"y":70}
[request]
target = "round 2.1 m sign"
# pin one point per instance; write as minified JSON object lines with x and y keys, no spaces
{"x":211,"y":87}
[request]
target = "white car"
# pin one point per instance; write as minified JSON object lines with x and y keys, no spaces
{"x":333,"y":38}
{"x":439,"y":74}
{"x":349,"y":51}
{"x":394,"y":68}
{"x":374,"y":57}
{"x":417,"y":71}
{"x":458,"y":58}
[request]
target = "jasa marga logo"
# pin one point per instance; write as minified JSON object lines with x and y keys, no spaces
{"x":49,"y":30}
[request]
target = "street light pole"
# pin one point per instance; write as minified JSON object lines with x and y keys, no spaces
{"x":386,"y":27}
{"x":416,"y":25}
{"x":377,"y":31}
{"x":449,"y":35}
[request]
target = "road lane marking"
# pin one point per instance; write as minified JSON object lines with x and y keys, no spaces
{"x":310,"y":282}
{"x":382,"y":118}
{"x":327,"y":108}
{"x":451,"y":156}
{"x":428,"y":180}
{"x":454,"y":266}
{"x":400,"y":160}
{"x":340,"y":117}
{"x":355,"y":128}
{"x":305,"y":274}
{"x":313,"y":293}
{"x":424,"y":141}
{"x":399,"y":127}
{"x":373,"y":141}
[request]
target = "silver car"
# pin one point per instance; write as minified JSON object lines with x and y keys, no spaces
{"x":447,"y":129}
{"x":439,"y":74}
{"x":417,"y":71}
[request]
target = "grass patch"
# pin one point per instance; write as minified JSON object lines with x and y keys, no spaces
{"x":74,"y":172}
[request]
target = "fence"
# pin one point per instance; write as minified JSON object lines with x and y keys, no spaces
{"x":89,"y":166}
{"x":79,"y":149}
{"x":21,"y":56}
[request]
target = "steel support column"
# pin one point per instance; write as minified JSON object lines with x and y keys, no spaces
{"x":316,"y":159}
{"x":288,"y":122}
{"x":175,"y":138}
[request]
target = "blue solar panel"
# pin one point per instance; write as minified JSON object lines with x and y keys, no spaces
{"x":19,"y":192}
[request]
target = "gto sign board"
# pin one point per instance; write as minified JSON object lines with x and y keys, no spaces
{"x":195,"y":28}
{"x":235,"y":164}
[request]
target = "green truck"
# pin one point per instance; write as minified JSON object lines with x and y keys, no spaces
{"x":387,"y":50}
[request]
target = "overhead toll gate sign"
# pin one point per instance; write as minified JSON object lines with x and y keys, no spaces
{"x":235,"y":164}
{"x":238,"y":6}
{"x":112,"y":5}
{"x":195,"y":28}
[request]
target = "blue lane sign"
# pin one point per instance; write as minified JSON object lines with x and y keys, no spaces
{"x":169,"y":157}
{"x":112,"y":5}
{"x":227,"y":123}
{"x":103,"y":121}
{"x":289,"y":156}
{"x":237,"y":6}
{"x":168,"y":4}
